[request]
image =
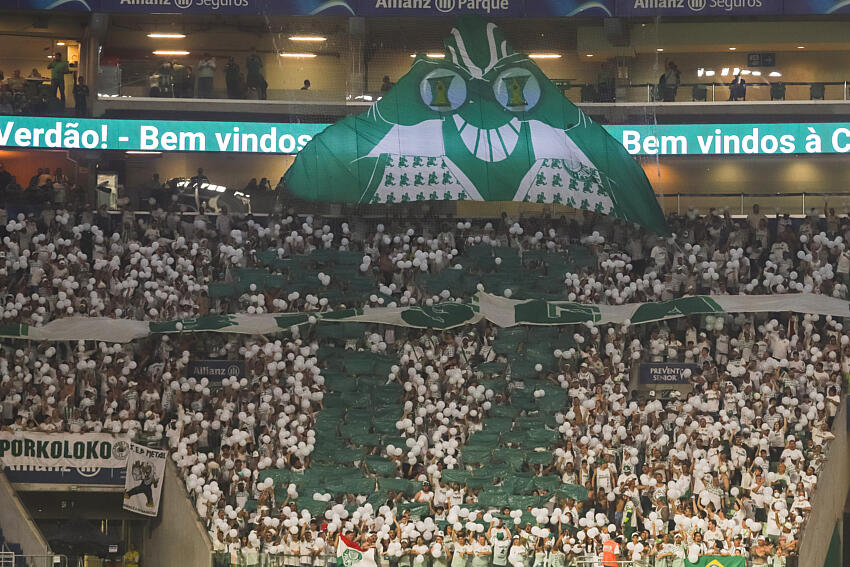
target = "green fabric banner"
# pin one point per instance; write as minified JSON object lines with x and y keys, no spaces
{"x":502,"y":311}
{"x":718,"y":561}
{"x":482,"y":124}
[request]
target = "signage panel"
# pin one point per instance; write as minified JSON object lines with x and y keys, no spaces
{"x":26,"y":132}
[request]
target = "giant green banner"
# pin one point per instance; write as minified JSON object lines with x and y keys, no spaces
{"x":482,"y":124}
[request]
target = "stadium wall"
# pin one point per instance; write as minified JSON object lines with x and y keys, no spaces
{"x":176,"y":537}
{"x":830,"y":495}
{"x":16,"y":523}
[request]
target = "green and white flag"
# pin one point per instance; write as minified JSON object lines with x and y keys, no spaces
{"x":501,"y":311}
{"x":349,"y":554}
{"x":482,"y":124}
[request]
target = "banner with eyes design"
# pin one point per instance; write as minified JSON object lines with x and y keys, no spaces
{"x":483,"y":124}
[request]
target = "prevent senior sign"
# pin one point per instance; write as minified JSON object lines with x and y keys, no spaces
{"x":665,"y":373}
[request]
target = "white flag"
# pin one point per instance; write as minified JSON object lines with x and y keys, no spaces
{"x":143,"y":487}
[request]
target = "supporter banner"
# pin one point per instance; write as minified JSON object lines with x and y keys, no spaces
{"x":717,"y":561}
{"x":83,"y":451}
{"x":510,"y":312}
{"x":440,"y":135}
{"x":670,"y":373}
{"x":215,"y":370}
{"x":145,"y":473}
{"x":499,"y":310}
{"x":155,"y":135}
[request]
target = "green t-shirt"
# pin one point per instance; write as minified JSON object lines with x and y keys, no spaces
{"x":57,"y":72}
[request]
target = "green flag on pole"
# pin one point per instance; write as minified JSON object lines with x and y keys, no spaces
{"x":717,"y":561}
{"x":482,"y":124}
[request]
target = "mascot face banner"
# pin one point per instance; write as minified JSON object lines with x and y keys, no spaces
{"x":483,"y":124}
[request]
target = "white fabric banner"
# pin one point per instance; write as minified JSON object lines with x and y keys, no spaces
{"x":500,"y":310}
{"x":77,"y":450}
{"x":145,"y":474}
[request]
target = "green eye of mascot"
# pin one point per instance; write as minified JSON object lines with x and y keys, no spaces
{"x":484,"y":124}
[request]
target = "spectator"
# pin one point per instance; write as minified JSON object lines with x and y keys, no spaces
{"x":738,"y":88}
{"x":306,"y":86}
{"x":251,"y":188}
{"x":386,"y":84}
{"x":6,"y":106}
{"x":131,"y":557}
{"x":5,"y":177}
{"x":206,"y":73}
{"x":669,"y":82}
{"x":233,"y":78}
{"x":81,"y":95}
{"x":255,"y":79}
{"x":16,"y":82}
{"x":58,"y":70}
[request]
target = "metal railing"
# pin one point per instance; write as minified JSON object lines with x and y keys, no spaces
{"x":709,"y":91}
{"x":10,"y":559}
{"x":226,"y":559}
{"x":742,"y":203}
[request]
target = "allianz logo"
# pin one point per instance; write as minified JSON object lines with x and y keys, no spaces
{"x":697,"y":5}
{"x":444,"y":6}
{"x":86,"y":472}
{"x":184,"y":4}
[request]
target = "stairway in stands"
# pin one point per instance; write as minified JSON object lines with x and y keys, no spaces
{"x":11,"y":554}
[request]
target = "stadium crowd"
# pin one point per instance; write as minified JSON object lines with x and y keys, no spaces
{"x":726,"y":465}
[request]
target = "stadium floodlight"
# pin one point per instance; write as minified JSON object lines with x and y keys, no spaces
{"x":307,"y":38}
{"x":544,"y":55}
{"x":700,"y":72}
{"x":709,"y":73}
{"x":60,"y":44}
{"x":164,"y":35}
{"x":431,"y":55}
{"x":176,"y":52}
{"x":745,"y":71}
{"x":298,"y":55}
{"x":757,"y":73}
{"x":775,"y":74}
{"x":724,"y":72}
{"x":732,"y":48}
{"x":736,"y":71}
